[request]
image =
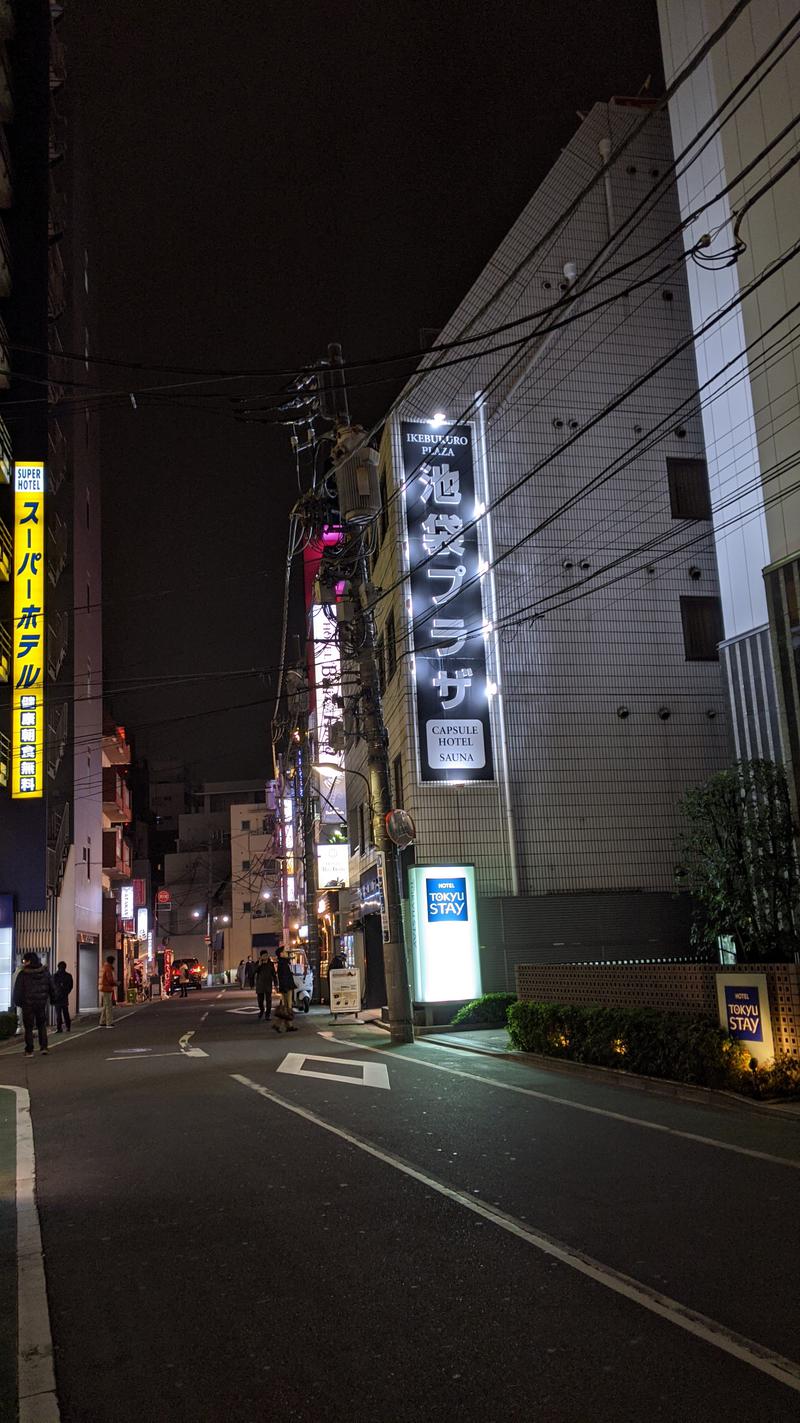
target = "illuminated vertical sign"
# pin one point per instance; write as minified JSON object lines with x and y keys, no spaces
{"x":452,"y":690}
{"x":444,"y":933}
{"x":28,"y":727}
{"x":328,"y":688}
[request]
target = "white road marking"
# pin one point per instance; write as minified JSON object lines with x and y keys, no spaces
{"x":36,"y":1384}
{"x":183,"y":1044}
{"x":574,"y":1106}
{"x":253,"y":1009}
{"x":205,"y":1015}
{"x":128,"y":1058}
{"x":374,"y":1074}
{"x":747,"y":1351}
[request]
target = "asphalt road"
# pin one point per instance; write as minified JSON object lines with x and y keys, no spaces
{"x":228,"y":1237}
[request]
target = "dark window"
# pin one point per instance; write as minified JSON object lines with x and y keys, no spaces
{"x":688,"y":489}
{"x":362,"y":841}
{"x":245,"y":824}
{"x":391,"y":647}
{"x":702,"y":628}
{"x":384,"y":519}
{"x":352,"y":829}
{"x":381,"y":663}
{"x":246,"y":907}
{"x":397,"y":768}
{"x":245,"y":864}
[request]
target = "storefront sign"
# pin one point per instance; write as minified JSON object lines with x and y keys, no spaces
{"x":333,"y":865}
{"x":453,"y":724}
{"x":345,"y":989}
{"x":6,"y":948}
{"x":141,"y":923}
{"x":28,"y":724}
{"x":373,"y":893}
{"x":743,"y":1001}
{"x":126,"y":902}
{"x":444,"y":932}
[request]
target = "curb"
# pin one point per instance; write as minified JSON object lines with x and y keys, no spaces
{"x":654,"y":1086}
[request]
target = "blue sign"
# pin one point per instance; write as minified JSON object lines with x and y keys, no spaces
{"x":743,"y":1011}
{"x":447,"y":901}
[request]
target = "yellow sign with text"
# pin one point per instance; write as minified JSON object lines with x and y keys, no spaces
{"x":28,"y":726}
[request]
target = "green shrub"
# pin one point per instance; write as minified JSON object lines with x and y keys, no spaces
{"x":642,"y":1040}
{"x":8,"y":1024}
{"x":487,"y":1012}
{"x":778,"y":1079}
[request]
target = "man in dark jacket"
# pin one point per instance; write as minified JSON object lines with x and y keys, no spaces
{"x":33,"y":993}
{"x":265,"y":982}
{"x":63,"y":985}
{"x":286,"y":990}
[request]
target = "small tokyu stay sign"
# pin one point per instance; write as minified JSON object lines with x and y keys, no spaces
{"x":743,"y":1002}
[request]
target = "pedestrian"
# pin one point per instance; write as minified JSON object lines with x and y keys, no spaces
{"x":285,"y":1010}
{"x":108,"y":982}
{"x":338,"y":960}
{"x":250,"y":972}
{"x":240,"y":974}
{"x":33,"y":993}
{"x":265,"y":982}
{"x":63,"y":984}
{"x":183,"y":979}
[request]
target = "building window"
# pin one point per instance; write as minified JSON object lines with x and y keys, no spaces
{"x":380,"y":660}
{"x":384,"y":518}
{"x":245,"y":864}
{"x":397,"y":771}
{"x":391,"y":648}
{"x":88,"y":516}
{"x":245,"y":824}
{"x":362,"y":839}
{"x":352,"y":830}
{"x":246,"y":907}
{"x":689,"y":497}
{"x":702,"y":628}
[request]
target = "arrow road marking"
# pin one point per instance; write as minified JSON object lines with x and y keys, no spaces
{"x":373,"y":1074}
{"x":188,"y":1051}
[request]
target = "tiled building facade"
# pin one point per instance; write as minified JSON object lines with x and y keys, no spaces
{"x":601,"y":597}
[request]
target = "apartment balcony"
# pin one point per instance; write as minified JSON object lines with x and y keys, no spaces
{"x":57,"y":731}
{"x":5,"y":363}
{"x":6,"y":19}
{"x":116,"y":749}
{"x":6,"y":552}
{"x":116,"y":854}
{"x":56,"y":457}
{"x":57,"y":548}
{"x":5,"y":261}
{"x":58,"y":61}
{"x":5,"y":759}
{"x":116,"y":797}
{"x":6,"y":89}
{"x":57,"y":643}
{"x":5,"y":653}
{"x":6,"y":454}
{"x":56,"y":284}
{"x":6,"y":187}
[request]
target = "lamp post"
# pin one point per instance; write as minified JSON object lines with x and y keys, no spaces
{"x":397,"y":985}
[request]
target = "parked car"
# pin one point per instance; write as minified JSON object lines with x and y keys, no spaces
{"x":196,"y":974}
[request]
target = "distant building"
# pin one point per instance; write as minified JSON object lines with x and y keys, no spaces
{"x":51,"y":829}
{"x":256,"y":918}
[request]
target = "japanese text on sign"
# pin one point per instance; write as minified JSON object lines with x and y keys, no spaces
{"x":28,"y":727}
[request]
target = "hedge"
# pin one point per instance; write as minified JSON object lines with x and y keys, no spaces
{"x":8,"y":1024}
{"x":642,"y":1040}
{"x":489,"y":1011}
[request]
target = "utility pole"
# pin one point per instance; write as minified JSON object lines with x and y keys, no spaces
{"x":310,"y":865}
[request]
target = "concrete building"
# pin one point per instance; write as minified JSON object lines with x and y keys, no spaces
{"x":728,"y":120}
{"x":51,"y":813}
{"x":256,"y":918}
{"x":551,"y":675}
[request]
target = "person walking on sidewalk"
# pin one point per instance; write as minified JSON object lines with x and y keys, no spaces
{"x":183,"y":979}
{"x":63,"y":984}
{"x":265,"y":982}
{"x":33,"y":993}
{"x":108,"y":982}
{"x":286,"y":990}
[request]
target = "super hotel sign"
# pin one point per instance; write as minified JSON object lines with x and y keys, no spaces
{"x":27,"y":762}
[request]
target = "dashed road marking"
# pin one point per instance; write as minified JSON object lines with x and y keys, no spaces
{"x":710,"y":1331}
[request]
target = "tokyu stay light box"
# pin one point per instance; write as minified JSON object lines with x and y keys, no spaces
{"x":444,"y":933}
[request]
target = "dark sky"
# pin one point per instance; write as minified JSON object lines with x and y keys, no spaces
{"x":267,"y":177}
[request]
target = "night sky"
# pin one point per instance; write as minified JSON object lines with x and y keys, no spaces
{"x":268,"y":177}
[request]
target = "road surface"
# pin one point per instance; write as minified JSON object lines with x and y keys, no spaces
{"x":238,"y":1225}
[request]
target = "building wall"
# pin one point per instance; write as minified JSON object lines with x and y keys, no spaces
{"x":751,"y":424}
{"x":255,"y":873}
{"x":591,"y":800}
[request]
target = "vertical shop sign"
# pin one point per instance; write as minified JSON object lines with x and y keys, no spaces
{"x":453,"y":723}
{"x":27,"y":715}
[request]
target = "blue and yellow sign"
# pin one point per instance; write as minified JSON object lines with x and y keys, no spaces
{"x":28,"y":726}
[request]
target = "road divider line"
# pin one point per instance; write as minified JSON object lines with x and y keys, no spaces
{"x":36,"y":1384}
{"x":710,"y":1331}
{"x":566,"y":1102}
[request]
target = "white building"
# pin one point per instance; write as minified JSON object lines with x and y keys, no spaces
{"x":547,"y":714}
{"x":256,"y":917}
{"x":727,"y":123}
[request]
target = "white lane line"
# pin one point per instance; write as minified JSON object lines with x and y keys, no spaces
{"x":747,"y":1351}
{"x":183,"y":1044}
{"x":36,"y":1384}
{"x":154,"y":1055}
{"x":205,"y":1015}
{"x":565,"y":1102}
{"x":59,"y":1039}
